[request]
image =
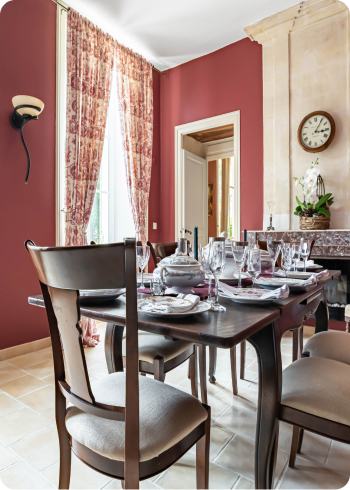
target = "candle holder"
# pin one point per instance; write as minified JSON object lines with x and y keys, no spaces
{"x":271,"y":205}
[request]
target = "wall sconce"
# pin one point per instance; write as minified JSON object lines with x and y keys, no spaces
{"x":26,"y":108}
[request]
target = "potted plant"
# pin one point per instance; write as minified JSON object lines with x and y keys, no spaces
{"x":314,"y":212}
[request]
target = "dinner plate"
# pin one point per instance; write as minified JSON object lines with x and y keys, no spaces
{"x":299,"y":274}
{"x":312,"y":267}
{"x":98,"y":296}
{"x":254,"y":300}
{"x":200,"y":307}
{"x":277,"y":282}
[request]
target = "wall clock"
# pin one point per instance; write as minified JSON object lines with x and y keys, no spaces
{"x":316,"y":131}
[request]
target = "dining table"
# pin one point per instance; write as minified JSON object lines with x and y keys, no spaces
{"x":262,"y":326}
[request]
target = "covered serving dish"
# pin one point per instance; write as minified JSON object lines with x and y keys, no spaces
{"x":180,"y":273}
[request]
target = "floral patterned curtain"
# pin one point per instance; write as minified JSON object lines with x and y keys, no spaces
{"x":90,"y":57}
{"x":135,"y":102}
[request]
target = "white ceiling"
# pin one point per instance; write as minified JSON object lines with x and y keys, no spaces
{"x":169,"y":33}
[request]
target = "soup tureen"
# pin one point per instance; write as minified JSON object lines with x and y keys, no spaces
{"x":180,"y":273}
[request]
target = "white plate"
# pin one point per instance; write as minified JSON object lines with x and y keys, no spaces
{"x":277,"y":282}
{"x":311,"y":267}
{"x":254,"y":300}
{"x":299,"y":275}
{"x":201,"y":307}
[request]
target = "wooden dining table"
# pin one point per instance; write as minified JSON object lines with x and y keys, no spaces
{"x":263,"y":327}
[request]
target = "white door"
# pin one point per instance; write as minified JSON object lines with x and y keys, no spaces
{"x":195,"y":197}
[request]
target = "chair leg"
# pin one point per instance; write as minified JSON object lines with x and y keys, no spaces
{"x":295,"y":444}
{"x":300,"y":442}
{"x":194,"y":372}
{"x":203,"y":372}
{"x":243,"y":349}
{"x":295,"y":352}
{"x":65,"y":449}
{"x":233,"y":370}
{"x":159,"y":368}
{"x":202,"y":456}
{"x":212,"y":363}
{"x":301,"y":341}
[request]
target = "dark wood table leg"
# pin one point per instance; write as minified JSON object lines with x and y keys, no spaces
{"x":267,"y":345}
{"x":113,"y":347}
{"x":203,"y":372}
{"x":213,"y":351}
{"x":322,"y":315}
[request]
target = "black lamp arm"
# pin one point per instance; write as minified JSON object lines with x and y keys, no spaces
{"x":28,"y":156}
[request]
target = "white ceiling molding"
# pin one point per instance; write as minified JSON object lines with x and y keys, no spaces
{"x":293,"y":19}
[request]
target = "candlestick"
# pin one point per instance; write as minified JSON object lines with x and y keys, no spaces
{"x":195,"y":242}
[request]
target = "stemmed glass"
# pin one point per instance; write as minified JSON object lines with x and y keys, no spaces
{"x":273,"y":248}
{"x":217,"y":262}
{"x":142,"y":258}
{"x":287,"y":258}
{"x":295,"y":255}
{"x":254,"y":263}
{"x":240,"y":257}
{"x":204,"y":258}
{"x":305,"y":251}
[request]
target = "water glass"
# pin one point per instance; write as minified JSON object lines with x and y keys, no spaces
{"x":142,"y":258}
{"x":204,"y":258}
{"x":287,"y":260}
{"x":254,"y":263}
{"x":273,"y":249}
{"x":305,"y":251}
{"x":217,"y":262}
{"x":157,"y":287}
{"x":295,"y":255}
{"x":240,"y":256}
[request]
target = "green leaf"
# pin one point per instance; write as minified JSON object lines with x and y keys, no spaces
{"x":323,"y":201}
{"x":330,"y":201}
{"x":324,"y":211}
{"x":309,"y":206}
{"x":296,"y":213}
{"x":300,"y":203}
{"x":298,"y":208}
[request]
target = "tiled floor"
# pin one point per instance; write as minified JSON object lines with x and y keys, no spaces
{"x":29,"y":446}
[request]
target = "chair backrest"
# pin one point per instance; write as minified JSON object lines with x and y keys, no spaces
{"x":62,"y":272}
{"x":163,"y":250}
{"x":240,"y":244}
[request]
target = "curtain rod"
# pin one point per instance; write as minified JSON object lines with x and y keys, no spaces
{"x":65,"y":7}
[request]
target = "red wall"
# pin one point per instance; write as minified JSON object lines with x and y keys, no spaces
{"x":28,"y":66}
{"x":224,"y":81}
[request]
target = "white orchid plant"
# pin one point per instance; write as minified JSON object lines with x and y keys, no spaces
{"x":312,"y":205}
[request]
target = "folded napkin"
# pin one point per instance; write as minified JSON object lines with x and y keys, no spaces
{"x":307,"y":282}
{"x":308,"y":263}
{"x":171,"y":305}
{"x":279,"y":293}
{"x":324,"y":273}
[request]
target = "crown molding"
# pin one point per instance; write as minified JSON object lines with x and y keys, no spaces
{"x":294,"y":18}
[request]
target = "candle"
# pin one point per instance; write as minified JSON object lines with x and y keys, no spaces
{"x":244,"y":235}
{"x":195,"y":242}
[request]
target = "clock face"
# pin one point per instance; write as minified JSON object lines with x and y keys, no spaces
{"x":316,"y":132}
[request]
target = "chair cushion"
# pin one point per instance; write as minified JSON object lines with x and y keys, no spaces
{"x":318,"y":386}
{"x":330,"y":345}
{"x":167,"y":415}
{"x":153,"y":345}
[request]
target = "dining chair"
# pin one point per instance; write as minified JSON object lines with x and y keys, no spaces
{"x":315,"y":397}
{"x":123,"y":425}
{"x":334,"y":345}
{"x":163,"y":250}
{"x":233,"y":352}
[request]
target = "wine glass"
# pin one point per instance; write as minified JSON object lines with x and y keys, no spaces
{"x":273,"y":248}
{"x":240,"y":257}
{"x":254,"y":263}
{"x":217,"y":262}
{"x":287,"y":260}
{"x":305,"y":251}
{"x":142,"y":258}
{"x":295,"y":255}
{"x":204,"y":258}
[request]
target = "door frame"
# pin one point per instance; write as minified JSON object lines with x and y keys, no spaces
{"x":211,"y":122}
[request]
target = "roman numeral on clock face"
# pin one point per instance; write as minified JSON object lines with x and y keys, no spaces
{"x":325,"y":135}
{"x":310,"y":143}
{"x":315,"y":119}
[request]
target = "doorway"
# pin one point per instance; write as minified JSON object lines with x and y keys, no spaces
{"x":207,"y":177}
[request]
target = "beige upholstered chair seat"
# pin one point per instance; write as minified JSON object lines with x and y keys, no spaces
{"x":330,"y":345}
{"x":152,"y":345}
{"x":318,"y":386}
{"x":167,"y":415}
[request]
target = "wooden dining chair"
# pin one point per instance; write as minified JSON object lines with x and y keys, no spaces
{"x":123,"y":425}
{"x":163,"y":250}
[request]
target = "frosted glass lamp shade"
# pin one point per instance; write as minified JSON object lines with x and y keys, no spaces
{"x":27,"y":100}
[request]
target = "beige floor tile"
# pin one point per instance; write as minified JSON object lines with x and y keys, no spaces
{"x":243,"y":484}
{"x":22,"y":386}
{"x":238,"y":456}
{"x":339,"y":458}
{"x":316,"y":448}
{"x":40,"y":400}
{"x":23,"y":476}
{"x":19,"y":424}
{"x":8,"y":373}
{"x":92,"y":361}
{"x":50,"y":380}
{"x":26,"y":360}
{"x":144,"y":485}
{"x":183,"y":475}
{"x":238,"y":420}
{"x":307,"y":474}
{"x":41,"y":369}
{"x":3,"y":363}
{"x":50,"y":414}
{"x":82,"y":477}
{"x":218,"y":440}
{"x":217,"y":407}
{"x":246,"y":397}
{"x":8,"y":404}
{"x":176,"y":377}
{"x":250,"y":375}
{"x":39,"y":450}
{"x":7,"y":458}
